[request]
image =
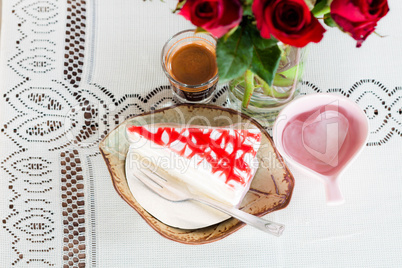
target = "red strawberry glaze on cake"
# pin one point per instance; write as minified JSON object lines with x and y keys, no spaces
{"x":223,"y":148}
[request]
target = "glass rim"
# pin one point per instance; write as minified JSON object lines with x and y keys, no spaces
{"x":163,"y":62}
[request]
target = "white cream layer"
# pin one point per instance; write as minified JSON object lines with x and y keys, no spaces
{"x":195,"y":172}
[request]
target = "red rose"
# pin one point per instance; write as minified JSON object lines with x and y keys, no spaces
{"x":215,"y":16}
{"x":290,"y":21}
{"x":358,"y":17}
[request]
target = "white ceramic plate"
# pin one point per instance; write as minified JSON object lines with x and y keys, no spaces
{"x":271,"y":189}
{"x":185,"y":215}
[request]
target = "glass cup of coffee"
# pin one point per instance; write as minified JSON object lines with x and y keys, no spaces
{"x":189,"y":61}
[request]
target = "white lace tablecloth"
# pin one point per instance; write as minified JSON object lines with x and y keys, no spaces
{"x":70,"y":71}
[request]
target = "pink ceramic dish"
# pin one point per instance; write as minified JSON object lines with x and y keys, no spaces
{"x":310,"y":111}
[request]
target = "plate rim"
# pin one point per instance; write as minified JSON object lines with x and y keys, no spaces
{"x":233,"y":228}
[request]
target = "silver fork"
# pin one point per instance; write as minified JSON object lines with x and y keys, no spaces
{"x":173,"y":191}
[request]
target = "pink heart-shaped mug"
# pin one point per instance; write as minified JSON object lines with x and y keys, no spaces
{"x":312,"y":115}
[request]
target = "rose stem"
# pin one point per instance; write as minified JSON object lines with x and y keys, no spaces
{"x":249,"y":78}
{"x":269,"y":91}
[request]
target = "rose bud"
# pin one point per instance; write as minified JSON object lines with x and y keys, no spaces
{"x":358,"y":17}
{"x":215,"y":16}
{"x":290,"y":21}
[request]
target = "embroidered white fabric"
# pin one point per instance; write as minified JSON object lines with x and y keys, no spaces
{"x":70,"y":71}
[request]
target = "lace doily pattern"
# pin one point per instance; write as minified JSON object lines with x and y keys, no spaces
{"x":31,"y":219}
{"x":73,"y":209}
{"x":83,"y":126}
{"x":33,"y":111}
{"x":75,"y":41}
{"x":56,"y":123}
{"x":383,"y":107}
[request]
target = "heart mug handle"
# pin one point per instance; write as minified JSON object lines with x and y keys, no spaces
{"x":334,"y":195}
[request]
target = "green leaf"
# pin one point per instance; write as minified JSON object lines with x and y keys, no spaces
{"x":265,"y":62}
{"x":266,"y":54}
{"x":226,"y":36}
{"x":247,"y":11}
{"x":179,"y":6}
{"x":258,"y":41}
{"x":234,"y":55}
{"x":329,"y":21}
{"x":321,"y":7}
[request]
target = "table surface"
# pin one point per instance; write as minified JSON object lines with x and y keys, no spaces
{"x":70,"y":71}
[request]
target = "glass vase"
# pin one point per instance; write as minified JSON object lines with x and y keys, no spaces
{"x":267,"y":101}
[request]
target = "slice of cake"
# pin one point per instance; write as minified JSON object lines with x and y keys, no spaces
{"x":215,"y":162}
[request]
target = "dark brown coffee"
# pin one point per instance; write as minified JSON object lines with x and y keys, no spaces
{"x":193,"y":64}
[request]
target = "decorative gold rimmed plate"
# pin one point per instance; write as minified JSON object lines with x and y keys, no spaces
{"x":270,"y":190}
